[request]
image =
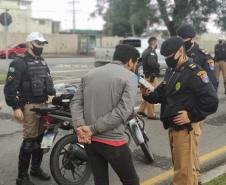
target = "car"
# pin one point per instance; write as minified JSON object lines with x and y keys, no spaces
{"x":62,"y":88}
{"x":104,"y":55}
{"x":13,"y":51}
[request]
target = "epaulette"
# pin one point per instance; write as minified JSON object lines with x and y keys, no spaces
{"x":192,"y":66}
{"x":204,"y":51}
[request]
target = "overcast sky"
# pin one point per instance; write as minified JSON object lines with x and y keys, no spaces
{"x":62,"y":10}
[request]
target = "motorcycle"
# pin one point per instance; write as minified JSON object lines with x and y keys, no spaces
{"x":69,"y":163}
{"x":136,"y":127}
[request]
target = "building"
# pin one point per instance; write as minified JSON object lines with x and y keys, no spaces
{"x":22,"y":21}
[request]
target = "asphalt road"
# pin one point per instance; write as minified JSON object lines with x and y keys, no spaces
{"x":71,"y":70}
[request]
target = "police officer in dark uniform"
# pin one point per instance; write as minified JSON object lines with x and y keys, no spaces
{"x":199,"y":56}
{"x":29,"y":85}
{"x":151,"y":72}
{"x":186,"y":97}
{"x":220,"y":59}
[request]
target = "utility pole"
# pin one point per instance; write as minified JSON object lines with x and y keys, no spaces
{"x":73,"y":2}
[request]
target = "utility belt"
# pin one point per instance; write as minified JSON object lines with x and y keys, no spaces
{"x":187,"y":126}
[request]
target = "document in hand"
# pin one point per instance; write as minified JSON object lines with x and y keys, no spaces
{"x":145,"y":83}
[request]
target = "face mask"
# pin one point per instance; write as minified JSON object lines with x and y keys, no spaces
{"x":37,"y":51}
{"x":171,"y":62}
{"x":187,"y":44}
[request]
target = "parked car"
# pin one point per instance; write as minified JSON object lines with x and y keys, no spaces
{"x":105,"y":55}
{"x":13,"y":51}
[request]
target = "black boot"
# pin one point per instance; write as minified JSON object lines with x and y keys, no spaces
{"x":40,"y":174}
{"x":24,"y":181}
{"x":37,"y":156}
{"x":24,"y":161}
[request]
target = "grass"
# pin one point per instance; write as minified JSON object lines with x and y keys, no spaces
{"x":221,"y":180}
{"x":2,"y":77}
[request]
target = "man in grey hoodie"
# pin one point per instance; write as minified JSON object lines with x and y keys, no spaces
{"x":104,"y":101}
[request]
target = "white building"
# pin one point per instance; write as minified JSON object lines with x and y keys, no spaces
{"x":22,"y":20}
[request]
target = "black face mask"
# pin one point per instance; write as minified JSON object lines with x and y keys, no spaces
{"x":171,"y":62}
{"x":37,"y":51}
{"x":187,"y":44}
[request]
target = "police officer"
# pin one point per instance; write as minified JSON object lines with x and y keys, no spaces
{"x":203,"y":59}
{"x":29,"y":85}
{"x":186,"y":97}
{"x":151,"y":71}
{"x":199,"y":56}
{"x":220,"y":59}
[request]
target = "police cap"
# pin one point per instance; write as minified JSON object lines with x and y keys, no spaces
{"x":171,"y":45}
{"x":186,"y":31}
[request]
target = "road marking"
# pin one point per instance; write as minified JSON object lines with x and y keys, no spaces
{"x":69,"y":71}
{"x":169,"y":173}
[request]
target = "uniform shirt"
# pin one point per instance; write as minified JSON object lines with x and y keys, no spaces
{"x":104,"y":101}
{"x":14,"y":89}
{"x":204,"y":60}
{"x":187,"y":88}
{"x":220,"y":52}
{"x":150,"y":62}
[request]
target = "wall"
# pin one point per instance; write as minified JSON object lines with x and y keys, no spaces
{"x":58,"y":43}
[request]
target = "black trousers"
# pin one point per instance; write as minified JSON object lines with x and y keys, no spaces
{"x":119,"y":158}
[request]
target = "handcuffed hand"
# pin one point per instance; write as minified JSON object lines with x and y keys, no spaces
{"x":182,"y":118}
{"x":84,"y":134}
{"x":18,"y":114}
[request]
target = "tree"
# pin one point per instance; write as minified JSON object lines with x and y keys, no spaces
{"x":127,"y":17}
{"x":172,"y":13}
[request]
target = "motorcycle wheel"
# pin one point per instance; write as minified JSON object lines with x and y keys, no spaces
{"x":64,"y":170}
{"x":147,"y":152}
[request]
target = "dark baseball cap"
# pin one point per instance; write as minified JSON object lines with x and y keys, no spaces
{"x":186,"y":31}
{"x":171,"y":45}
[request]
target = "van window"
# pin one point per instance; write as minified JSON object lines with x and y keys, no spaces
{"x":132,"y":42}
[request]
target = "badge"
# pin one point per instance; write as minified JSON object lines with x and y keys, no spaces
{"x":203,"y":76}
{"x":178,"y":86}
{"x":211,"y":64}
{"x":12,"y":69}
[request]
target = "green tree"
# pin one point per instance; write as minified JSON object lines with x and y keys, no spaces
{"x":172,"y":13}
{"x":127,"y":17}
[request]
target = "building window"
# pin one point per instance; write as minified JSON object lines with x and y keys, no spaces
{"x":42,"y":22}
{"x":24,"y":5}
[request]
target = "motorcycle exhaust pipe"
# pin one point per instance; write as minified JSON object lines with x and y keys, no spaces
{"x":76,"y":151}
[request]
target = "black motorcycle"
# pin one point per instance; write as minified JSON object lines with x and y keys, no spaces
{"x":69,"y":163}
{"x":68,"y":160}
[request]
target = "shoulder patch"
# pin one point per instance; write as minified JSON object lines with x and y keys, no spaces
{"x":203,"y":76}
{"x":12,"y":69}
{"x":211,"y":64}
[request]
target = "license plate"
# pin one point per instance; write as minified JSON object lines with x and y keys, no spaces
{"x":47,"y":140}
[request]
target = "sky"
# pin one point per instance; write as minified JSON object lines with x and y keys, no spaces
{"x":61,"y":10}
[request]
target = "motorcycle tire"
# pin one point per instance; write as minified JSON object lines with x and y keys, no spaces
{"x":55,"y":167}
{"x":147,"y":152}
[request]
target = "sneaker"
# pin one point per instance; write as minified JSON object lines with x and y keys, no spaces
{"x":142,"y":114}
{"x":24,"y":181}
{"x":153,"y":118}
{"x":40,"y":174}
